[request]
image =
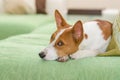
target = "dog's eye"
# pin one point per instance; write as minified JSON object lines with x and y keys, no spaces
{"x":60,"y":43}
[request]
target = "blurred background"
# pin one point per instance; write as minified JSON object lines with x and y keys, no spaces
{"x":23,"y":16}
{"x":48,"y":6}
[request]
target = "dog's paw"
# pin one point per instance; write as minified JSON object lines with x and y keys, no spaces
{"x":62,"y":59}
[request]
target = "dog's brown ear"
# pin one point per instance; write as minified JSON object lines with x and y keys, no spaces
{"x":77,"y":31}
{"x":60,"y":22}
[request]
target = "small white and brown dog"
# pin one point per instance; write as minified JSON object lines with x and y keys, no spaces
{"x":77,"y":41}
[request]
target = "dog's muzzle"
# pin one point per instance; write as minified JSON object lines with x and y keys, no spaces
{"x":42,"y":54}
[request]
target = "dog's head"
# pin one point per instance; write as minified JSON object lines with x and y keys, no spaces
{"x":64,"y":41}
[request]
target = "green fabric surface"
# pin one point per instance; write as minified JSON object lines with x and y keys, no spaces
{"x":20,"y":24}
{"x":19,"y":60}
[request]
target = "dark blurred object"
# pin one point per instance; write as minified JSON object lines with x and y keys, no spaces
{"x":85,"y":11}
{"x":40,"y":6}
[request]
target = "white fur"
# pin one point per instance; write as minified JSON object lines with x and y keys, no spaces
{"x":84,"y":53}
{"x":51,"y":53}
{"x":94,"y":44}
{"x":94,"y":33}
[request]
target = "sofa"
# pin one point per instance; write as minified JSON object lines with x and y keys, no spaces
{"x":22,"y":37}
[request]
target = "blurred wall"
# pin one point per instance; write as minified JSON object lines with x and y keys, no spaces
{"x":93,"y":4}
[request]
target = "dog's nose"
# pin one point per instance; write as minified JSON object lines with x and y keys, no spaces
{"x":42,"y":54}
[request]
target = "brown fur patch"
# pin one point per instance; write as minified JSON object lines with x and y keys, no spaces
{"x":106,"y":28}
{"x":57,"y":31}
{"x":86,"y":36}
{"x":70,"y":45}
{"x":68,"y":40}
{"x":60,"y":21}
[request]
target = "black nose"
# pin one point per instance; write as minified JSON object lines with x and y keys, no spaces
{"x":42,"y":54}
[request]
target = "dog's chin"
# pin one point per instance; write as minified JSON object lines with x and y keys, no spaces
{"x":59,"y":59}
{"x":49,"y":59}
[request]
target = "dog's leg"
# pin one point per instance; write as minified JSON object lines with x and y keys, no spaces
{"x":84,"y":53}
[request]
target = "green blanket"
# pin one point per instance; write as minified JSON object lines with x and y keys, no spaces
{"x":19,"y":60}
{"x":21,"y":24}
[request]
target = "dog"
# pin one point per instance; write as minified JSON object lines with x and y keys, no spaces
{"x":78,"y":41}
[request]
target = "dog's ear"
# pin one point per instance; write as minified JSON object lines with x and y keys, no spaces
{"x":77,"y":31}
{"x":60,"y":22}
